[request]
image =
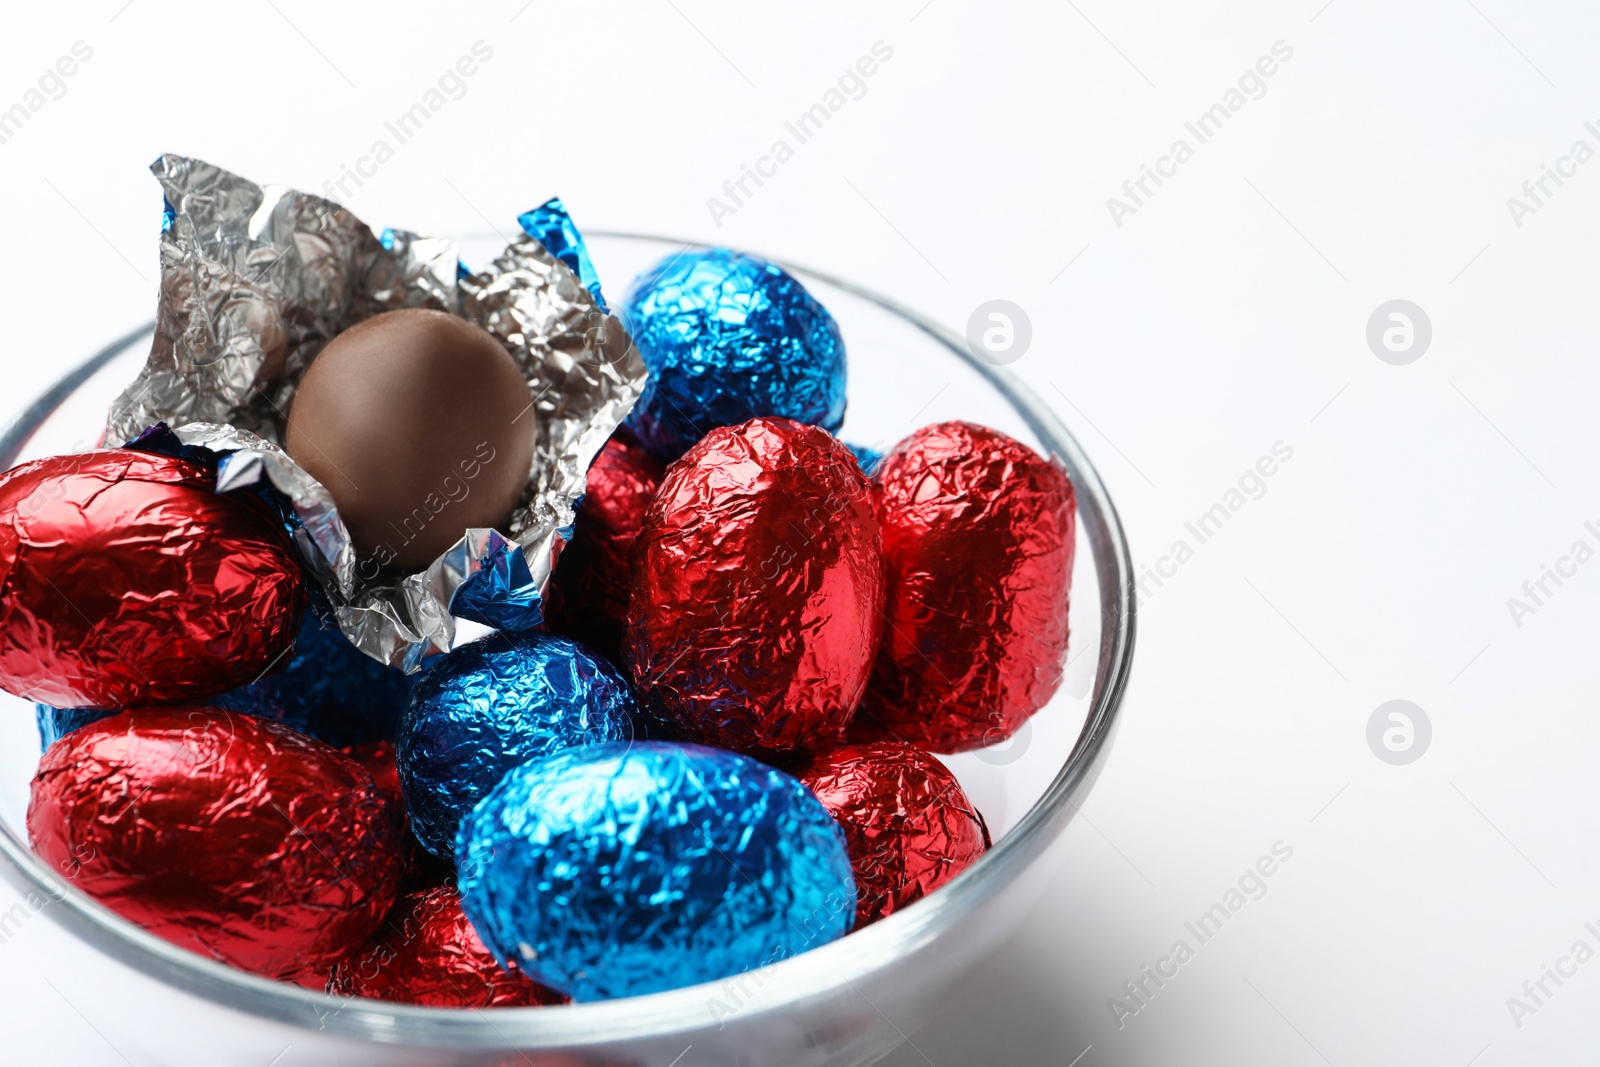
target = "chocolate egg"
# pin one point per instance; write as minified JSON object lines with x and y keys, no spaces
{"x":324,"y":687}
{"x":427,"y":953}
{"x":729,"y":337}
{"x":128,"y":580}
{"x":377,"y":759}
{"x":420,"y":426}
{"x":487,"y":707}
{"x":978,"y":537}
{"x":909,"y":826}
{"x":238,"y":839}
{"x":616,"y":870}
{"x":588,"y":595}
{"x":421,"y":868}
{"x":757,"y":598}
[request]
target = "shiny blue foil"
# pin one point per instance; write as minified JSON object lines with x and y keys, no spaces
{"x":503,"y":594}
{"x":488,"y":707}
{"x":727,"y":337}
{"x":328,"y":689}
{"x":868,"y":458}
{"x":551,"y":226}
{"x":616,"y":870}
{"x":56,"y":723}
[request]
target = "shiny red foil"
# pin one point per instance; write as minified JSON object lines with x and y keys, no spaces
{"x":421,"y":868}
{"x":427,"y":953}
{"x":907,"y":823}
{"x":234,"y":837}
{"x":128,"y":581}
{"x":978,"y":535}
{"x":377,"y":759}
{"x":588,"y":595}
{"x":758,"y":590}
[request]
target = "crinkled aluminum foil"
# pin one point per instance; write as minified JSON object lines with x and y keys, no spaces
{"x":729,"y":337}
{"x":256,"y":280}
{"x":619,"y":869}
{"x":234,"y":838}
{"x":909,"y":826}
{"x":492,"y":705}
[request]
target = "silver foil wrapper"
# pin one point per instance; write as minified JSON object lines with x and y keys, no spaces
{"x":256,"y":280}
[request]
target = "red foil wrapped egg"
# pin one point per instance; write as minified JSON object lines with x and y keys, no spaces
{"x":907,"y":823}
{"x":427,"y":953}
{"x":978,"y":536}
{"x":128,"y":581}
{"x":377,"y":759}
{"x":758,"y":590}
{"x":234,"y":837}
{"x":588,"y":594}
{"x":421,"y":868}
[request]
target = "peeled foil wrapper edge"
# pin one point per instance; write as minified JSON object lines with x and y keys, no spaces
{"x":256,"y":280}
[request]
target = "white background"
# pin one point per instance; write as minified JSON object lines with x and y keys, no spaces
{"x":1228,"y":313}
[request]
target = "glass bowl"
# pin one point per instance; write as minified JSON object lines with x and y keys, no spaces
{"x":849,"y":1002}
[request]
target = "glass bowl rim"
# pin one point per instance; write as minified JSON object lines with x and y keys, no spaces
{"x":817,"y":973}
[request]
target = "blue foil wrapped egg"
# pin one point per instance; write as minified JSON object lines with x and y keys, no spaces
{"x":488,"y":707}
{"x":327,"y":689}
{"x":617,"y":870}
{"x":728,"y":337}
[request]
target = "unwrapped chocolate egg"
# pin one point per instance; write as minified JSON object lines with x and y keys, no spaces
{"x":978,"y":537}
{"x":728,"y":337}
{"x":487,"y":707}
{"x":909,"y":826}
{"x":588,"y":595}
{"x":427,"y":953}
{"x":616,"y":870}
{"x":758,"y":588}
{"x":420,"y":426}
{"x":128,"y":580}
{"x":235,"y":838}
